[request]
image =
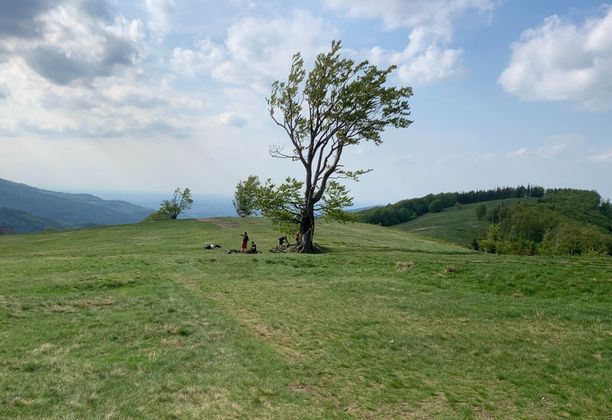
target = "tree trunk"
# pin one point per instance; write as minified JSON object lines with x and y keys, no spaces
{"x":307,"y":225}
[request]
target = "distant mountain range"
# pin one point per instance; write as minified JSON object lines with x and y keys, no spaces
{"x":29,"y":209}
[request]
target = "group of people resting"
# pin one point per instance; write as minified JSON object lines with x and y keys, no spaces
{"x":283,"y":243}
{"x":245,"y":244}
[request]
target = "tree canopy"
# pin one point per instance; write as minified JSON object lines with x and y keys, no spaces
{"x":340,"y":103}
{"x":245,"y":196}
{"x":171,"y":209}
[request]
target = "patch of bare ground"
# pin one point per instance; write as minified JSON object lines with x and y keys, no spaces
{"x":300,"y":387}
{"x":222,"y":222}
{"x":404,"y":266}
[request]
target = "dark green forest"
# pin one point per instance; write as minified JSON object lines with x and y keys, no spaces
{"x":563,"y":222}
{"x":409,"y":209}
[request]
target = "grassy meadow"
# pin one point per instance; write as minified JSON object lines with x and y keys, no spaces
{"x":455,"y":224}
{"x":140,"y":321}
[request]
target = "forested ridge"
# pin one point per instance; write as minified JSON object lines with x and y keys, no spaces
{"x":553,"y":221}
{"x":409,"y":209}
{"x":564,"y":221}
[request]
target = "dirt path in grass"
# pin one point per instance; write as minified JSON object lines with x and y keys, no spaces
{"x":423,"y":228}
{"x":221,"y":222}
{"x":249,"y":319}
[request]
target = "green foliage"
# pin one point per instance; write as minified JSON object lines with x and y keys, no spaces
{"x":173,"y":208}
{"x":245,"y":196}
{"x":455,"y":225}
{"x":580,"y":205}
{"x":335,"y":200}
{"x":572,"y":239}
{"x":338,"y":104}
{"x":283,"y":203}
{"x":406,"y":210}
{"x":436,"y":206}
{"x":481,"y":211}
{"x":564,"y":222}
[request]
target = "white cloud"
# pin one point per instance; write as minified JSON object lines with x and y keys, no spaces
{"x":81,"y":76}
{"x":560,"y":61}
{"x":231,"y":119}
{"x":160,"y":17}
{"x":602,"y":157}
{"x":191,"y":62}
{"x":73,"y":45}
{"x":257,"y":51}
{"x":551,"y":151}
{"x":419,"y":62}
{"x":427,"y":56}
{"x":518,"y":153}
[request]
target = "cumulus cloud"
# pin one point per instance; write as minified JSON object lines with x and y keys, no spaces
{"x":78,"y":74}
{"x":203,"y":57}
{"x":74,"y":41}
{"x":257,"y":51}
{"x":99,"y":9}
{"x":18,"y":18}
{"x":427,"y":56}
{"x":231,"y":119}
{"x":160,"y":17}
{"x":562,"y":61}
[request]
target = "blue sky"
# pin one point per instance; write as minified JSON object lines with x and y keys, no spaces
{"x":144,"y":96}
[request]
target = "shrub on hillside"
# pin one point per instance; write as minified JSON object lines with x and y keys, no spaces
{"x":569,"y":239}
{"x":436,"y":206}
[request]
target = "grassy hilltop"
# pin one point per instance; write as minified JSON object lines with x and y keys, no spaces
{"x":459,"y":225}
{"x":140,"y":321}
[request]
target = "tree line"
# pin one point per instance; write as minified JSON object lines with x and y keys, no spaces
{"x":563,"y":222}
{"x":409,"y":209}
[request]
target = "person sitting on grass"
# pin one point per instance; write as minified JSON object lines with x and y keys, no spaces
{"x":253,"y":249}
{"x":283,"y":240}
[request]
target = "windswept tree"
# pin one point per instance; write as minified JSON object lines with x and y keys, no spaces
{"x":171,"y":209}
{"x":245,"y":196}
{"x":339,"y":104}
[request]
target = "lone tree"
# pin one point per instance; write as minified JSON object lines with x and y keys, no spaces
{"x":171,"y":209}
{"x":339,"y":104}
{"x":245,"y":196}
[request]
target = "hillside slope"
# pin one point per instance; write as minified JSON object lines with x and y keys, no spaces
{"x":22,"y":222}
{"x":68,"y":209}
{"x":455,"y":224}
{"x":138,"y":321}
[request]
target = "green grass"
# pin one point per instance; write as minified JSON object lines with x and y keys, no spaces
{"x":458,"y":225}
{"x":140,"y":321}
